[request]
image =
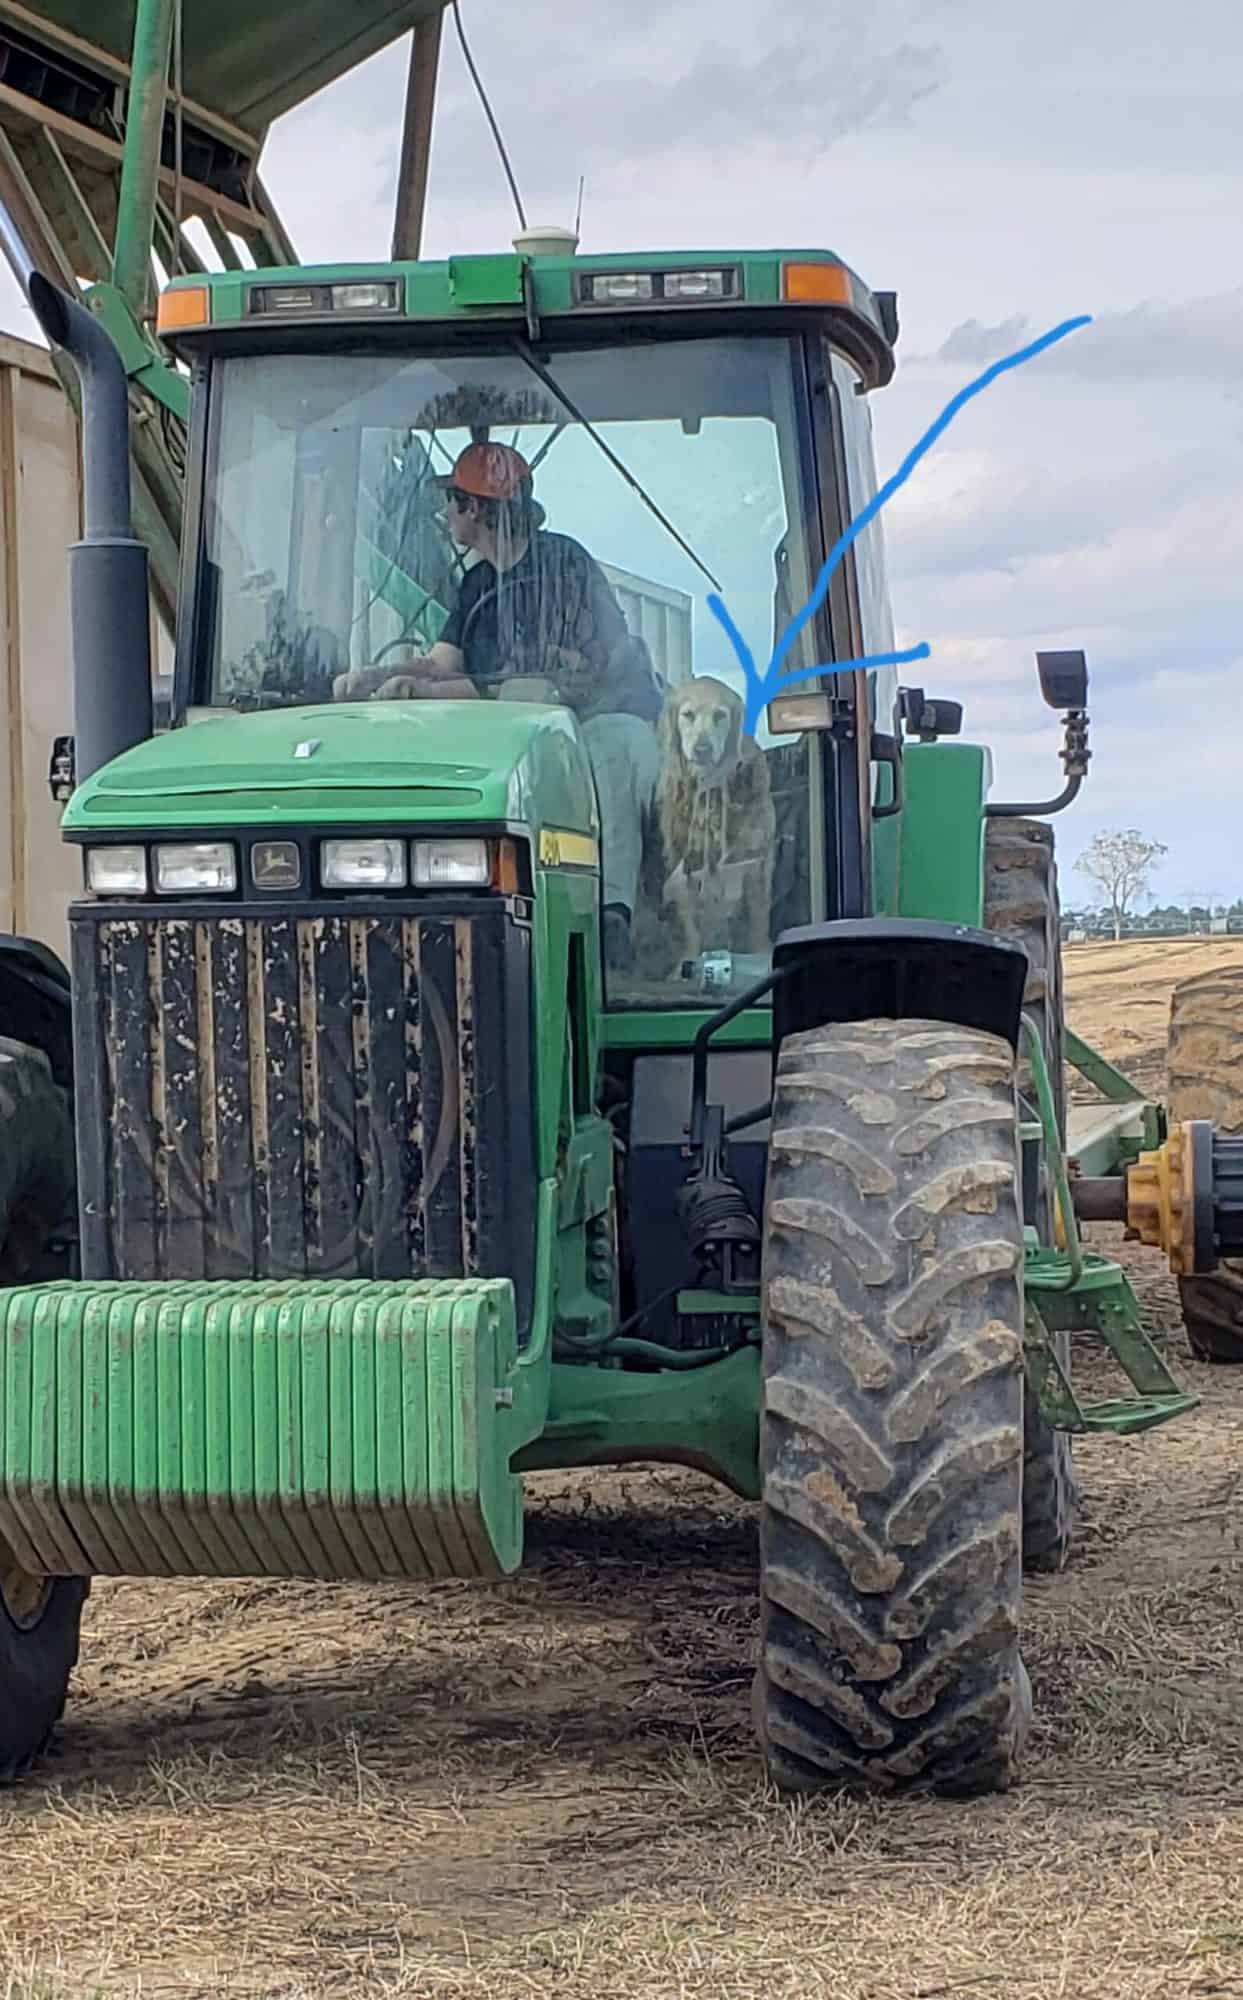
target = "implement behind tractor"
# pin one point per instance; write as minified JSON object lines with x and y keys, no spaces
{"x":483,"y":1057}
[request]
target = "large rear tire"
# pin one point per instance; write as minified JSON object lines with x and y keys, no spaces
{"x":892,"y":1428}
{"x":1205,"y":1062}
{"x":39,"y":1616}
{"x":1021,"y":902}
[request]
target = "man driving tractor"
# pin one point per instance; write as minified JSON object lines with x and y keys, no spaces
{"x":536,"y":609}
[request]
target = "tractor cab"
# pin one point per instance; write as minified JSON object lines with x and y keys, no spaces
{"x":667,"y":429}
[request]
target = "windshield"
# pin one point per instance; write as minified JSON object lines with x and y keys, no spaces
{"x":365,"y":538}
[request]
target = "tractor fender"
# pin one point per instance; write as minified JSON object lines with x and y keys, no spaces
{"x":896,"y":969}
{"x":35,"y":1003}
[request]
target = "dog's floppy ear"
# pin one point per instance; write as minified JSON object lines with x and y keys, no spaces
{"x":736,"y":712}
{"x":667,"y":734}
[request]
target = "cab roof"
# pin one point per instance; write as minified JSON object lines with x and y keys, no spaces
{"x":328,"y":305}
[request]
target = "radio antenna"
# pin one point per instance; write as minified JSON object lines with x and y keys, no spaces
{"x":488,"y":113}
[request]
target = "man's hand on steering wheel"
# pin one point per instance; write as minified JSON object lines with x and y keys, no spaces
{"x":425,"y":687}
{"x":414,"y":676}
{"x":360,"y":683}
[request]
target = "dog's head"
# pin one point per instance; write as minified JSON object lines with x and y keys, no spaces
{"x":703,"y":728}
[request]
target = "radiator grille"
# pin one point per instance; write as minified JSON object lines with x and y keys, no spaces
{"x":305,"y":1095}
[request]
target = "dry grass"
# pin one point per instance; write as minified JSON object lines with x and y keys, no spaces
{"x":550,"y":1788}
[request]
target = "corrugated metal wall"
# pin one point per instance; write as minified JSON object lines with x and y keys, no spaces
{"x":40,"y":516}
{"x":660,"y":615}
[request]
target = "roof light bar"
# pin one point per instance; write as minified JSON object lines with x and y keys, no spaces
{"x":697,"y":287}
{"x":357,"y":296}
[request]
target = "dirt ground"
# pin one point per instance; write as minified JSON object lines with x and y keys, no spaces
{"x":550,"y":1788}
{"x":1118,"y":995}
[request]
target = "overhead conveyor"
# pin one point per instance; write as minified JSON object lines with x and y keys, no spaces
{"x":131,"y":136}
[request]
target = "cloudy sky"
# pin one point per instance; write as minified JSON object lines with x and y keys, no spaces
{"x":1002,"y":168}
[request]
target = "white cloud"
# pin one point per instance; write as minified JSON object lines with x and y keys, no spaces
{"x":1198,"y":339}
{"x":1146,"y":568}
{"x":976,"y":510}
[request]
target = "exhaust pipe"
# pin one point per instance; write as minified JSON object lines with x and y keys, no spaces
{"x":109,"y":601}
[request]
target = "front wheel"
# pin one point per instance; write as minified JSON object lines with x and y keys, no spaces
{"x":39,"y":1622}
{"x":892,"y":1427}
{"x":39,"y":1616}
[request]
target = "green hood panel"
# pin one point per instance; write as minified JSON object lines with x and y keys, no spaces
{"x":350,"y":762}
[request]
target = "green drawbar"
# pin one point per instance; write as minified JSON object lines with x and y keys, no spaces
{"x":310,"y":1429}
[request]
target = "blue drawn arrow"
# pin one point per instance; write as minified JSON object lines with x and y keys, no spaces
{"x":761,"y":687}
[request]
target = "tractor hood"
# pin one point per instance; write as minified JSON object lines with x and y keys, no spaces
{"x":351,"y":762}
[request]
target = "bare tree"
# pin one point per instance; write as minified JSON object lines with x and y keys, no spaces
{"x":1120,"y":864}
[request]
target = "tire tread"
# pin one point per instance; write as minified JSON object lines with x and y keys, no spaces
{"x":893,"y":1458}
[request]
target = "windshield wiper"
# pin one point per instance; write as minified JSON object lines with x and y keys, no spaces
{"x":550,"y":382}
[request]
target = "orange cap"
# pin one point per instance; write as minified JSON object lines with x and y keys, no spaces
{"x":489,"y":471}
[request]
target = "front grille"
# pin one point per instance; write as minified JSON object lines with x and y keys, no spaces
{"x":337,"y":1094}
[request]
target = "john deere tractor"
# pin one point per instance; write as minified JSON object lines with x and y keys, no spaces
{"x":392,"y":1183}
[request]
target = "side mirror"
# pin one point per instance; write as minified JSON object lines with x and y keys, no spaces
{"x":1064,"y":685}
{"x":61,"y":774}
{"x":928,"y":719}
{"x":1063,"y":679}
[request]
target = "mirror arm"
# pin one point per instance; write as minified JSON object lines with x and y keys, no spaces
{"x":1076,"y":757}
{"x":1041,"y":811}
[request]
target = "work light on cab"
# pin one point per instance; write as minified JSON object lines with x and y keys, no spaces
{"x":627,"y":288}
{"x":360,"y":296}
{"x":791,"y":714}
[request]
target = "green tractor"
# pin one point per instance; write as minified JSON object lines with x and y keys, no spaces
{"x":455,"y":1101}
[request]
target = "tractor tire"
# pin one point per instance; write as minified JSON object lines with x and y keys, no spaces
{"x":1021,"y":903}
{"x":1205,"y":1062}
{"x":39,"y":1616}
{"x":892,"y":1422}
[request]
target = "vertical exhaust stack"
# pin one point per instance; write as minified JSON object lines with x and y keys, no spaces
{"x":108,"y":589}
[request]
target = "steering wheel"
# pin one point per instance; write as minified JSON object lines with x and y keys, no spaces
{"x":521,"y":586}
{"x":403,"y":639}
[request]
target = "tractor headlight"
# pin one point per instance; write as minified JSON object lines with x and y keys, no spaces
{"x":451,"y":864}
{"x":116,"y":871}
{"x":196,"y":866}
{"x":363,"y":864}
